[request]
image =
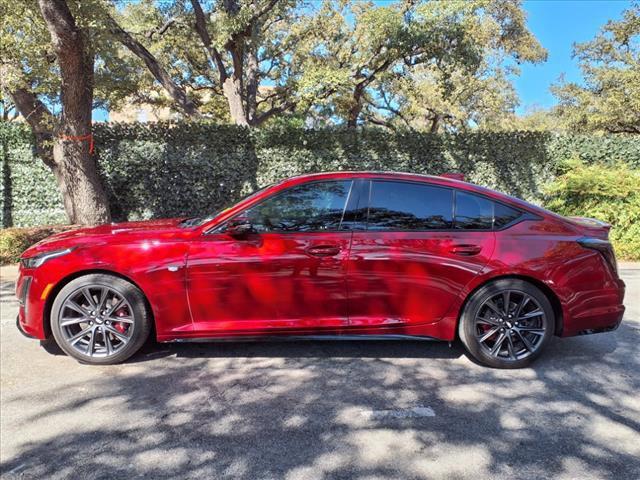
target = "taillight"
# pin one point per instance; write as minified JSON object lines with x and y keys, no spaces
{"x":605,"y":249}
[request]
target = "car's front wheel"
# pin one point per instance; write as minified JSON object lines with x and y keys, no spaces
{"x":507,"y":323}
{"x":100,"y":319}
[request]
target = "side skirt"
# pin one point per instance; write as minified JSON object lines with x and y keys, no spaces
{"x":296,"y":338}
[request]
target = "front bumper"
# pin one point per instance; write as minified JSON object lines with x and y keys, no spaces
{"x":29,"y":292}
{"x":21,"y":330}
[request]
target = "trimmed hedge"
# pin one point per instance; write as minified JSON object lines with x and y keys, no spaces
{"x":175,"y":169}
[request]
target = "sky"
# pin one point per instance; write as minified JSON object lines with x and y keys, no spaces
{"x":558,"y":24}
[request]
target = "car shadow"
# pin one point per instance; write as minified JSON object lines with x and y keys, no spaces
{"x":301,"y":348}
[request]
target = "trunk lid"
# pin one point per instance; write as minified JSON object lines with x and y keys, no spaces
{"x":591,"y":226}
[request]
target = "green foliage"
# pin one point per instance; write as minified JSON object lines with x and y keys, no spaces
{"x":606,"y":192}
{"x":28,"y":192}
{"x":472,"y":90}
{"x":27,"y":58}
{"x":609,"y":98}
{"x":14,"y":241}
{"x":196,"y":168}
{"x":442,"y":64}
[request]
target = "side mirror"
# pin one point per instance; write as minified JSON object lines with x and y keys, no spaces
{"x":239,"y":227}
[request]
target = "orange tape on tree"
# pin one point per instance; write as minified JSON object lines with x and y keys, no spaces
{"x":80,"y":138}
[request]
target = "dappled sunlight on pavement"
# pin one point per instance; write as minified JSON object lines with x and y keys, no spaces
{"x":324,"y":410}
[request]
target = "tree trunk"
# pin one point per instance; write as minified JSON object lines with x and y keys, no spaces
{"x":435,"y":123}
{"x":356,"y":107}
{"x":353,"y":115}
{"x":252,"y":72}
{"x":84,"y":199}
{"x":75,"y":170}
{"x":232,"y":88}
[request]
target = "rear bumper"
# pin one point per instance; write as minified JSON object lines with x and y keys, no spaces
{"x":595,"y":311}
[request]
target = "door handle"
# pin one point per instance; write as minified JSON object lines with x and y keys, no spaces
{"x":467,"y":250}
{"x":323,"y":250}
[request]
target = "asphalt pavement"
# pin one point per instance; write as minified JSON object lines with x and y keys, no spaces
{"x":323,"y":410}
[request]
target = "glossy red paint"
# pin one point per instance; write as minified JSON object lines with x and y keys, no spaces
{"x":204,"y":283}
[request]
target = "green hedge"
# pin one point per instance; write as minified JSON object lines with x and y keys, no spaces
{"x":175,"y":169}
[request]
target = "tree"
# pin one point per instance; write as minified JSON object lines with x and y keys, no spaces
{"x":538,"y":119}
{"x":423,"y":101}
{"x":267,"y":58}
{"x":65,"y":70}
{"x":200,"y":51}
{"x":378,"y":58}
{"x":608,"y":99}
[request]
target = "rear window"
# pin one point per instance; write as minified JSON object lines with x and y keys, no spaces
{"x":503,"y":215}
{"x":473,"y":212}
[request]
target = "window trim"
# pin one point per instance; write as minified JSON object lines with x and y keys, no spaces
{"x":524,"y":215}
{"x":220,"y":228}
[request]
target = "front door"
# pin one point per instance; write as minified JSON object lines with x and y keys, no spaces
{"x":413,"y":260}
{"x":288,"y":273}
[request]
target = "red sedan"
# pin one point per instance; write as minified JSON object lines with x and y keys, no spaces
{"x":341,"y":255}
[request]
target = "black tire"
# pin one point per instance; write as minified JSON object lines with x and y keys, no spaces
{"x":139,"y":319}
{"x":470,"y":332}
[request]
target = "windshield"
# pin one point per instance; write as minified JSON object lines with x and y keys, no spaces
{"x":197,"y":221}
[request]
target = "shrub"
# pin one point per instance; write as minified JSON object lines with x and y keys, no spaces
{"x":607,"y":192}
{"x":14,"y":241}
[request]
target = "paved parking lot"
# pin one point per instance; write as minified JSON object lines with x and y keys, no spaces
{"x":323,"y":410}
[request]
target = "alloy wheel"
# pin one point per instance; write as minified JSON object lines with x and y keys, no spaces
{"x":96,"y":321}
{"x":510,"y":325}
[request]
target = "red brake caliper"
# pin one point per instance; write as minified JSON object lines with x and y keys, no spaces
{"x":121,"y":326}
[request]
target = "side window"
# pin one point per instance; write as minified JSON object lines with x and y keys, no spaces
{"x":478,"y":213}
{"x":308,"y":207}
{"x":473,"y":212}
{"x":409,"y":206}
{"x":503,"y":215}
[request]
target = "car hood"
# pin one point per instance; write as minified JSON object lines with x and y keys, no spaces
{"x":113,"y":232}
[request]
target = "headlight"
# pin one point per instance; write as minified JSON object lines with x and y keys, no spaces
{"x":39,"y":259}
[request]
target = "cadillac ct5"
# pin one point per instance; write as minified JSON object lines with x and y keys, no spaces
{"x":333,"y":255}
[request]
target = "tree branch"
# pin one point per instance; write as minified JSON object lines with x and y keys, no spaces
{"x":203,"y":33}
{"x":176,"y":92}
{"x":39,"y":118}
{"x":285,"y":107}
{"x":263,"y":11}
{"x":161,"y":30}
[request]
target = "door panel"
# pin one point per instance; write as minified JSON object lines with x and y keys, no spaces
{"x":269,"y":281}
{"x":411,"y":278}
{"x":411,"y":263}
{"x":286,"y":270}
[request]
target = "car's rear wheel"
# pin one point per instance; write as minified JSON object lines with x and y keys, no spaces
{"x":507,"y":323}
{"x":100,"y":319}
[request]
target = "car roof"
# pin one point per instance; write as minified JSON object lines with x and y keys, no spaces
{"x":375,"y":174}
{"x":406,"y":176}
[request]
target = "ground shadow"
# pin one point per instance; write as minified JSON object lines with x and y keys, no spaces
{"x":286,"y":410}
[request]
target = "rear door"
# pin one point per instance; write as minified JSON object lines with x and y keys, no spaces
{"x":415,"y":255}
